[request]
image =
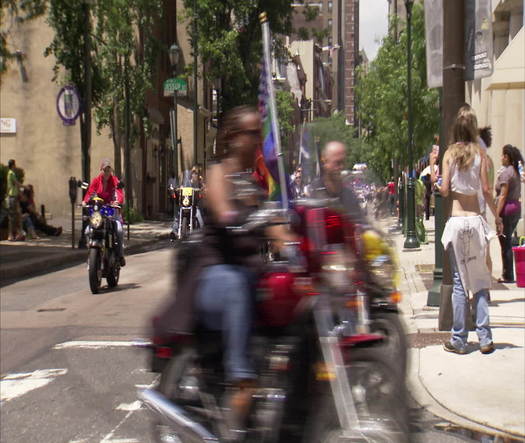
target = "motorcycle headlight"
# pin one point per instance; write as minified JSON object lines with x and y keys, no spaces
{"x":186,"y":201}
{"x":337,"y":266}
{"x":96,"y":219}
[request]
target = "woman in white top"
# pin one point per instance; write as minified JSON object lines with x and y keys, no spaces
{"x":466,"y":235}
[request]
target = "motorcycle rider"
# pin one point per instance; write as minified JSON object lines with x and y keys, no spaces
{"x":105,"y":186}
{"x":331,"y":184}
{"x":216,"y":289}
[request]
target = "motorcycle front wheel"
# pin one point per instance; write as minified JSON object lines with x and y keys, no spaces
{"x":113,"y":271}
{"x":95,"y":270}
{"x":175,"y":380}
{"x":379,"y":398}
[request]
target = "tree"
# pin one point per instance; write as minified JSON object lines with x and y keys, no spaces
{"x":12,"y":13}
{"x":284,"y":102}
{"x":382,"y":101}
{"x":73,"y":49}
{"x":126,"y":53}
{"x":229,"y":42}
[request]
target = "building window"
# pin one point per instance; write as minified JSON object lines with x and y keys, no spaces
{"x":330,"y":6}
{"x":330,"y":22}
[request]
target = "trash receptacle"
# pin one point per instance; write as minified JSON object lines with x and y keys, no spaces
{"x":519,"y":263}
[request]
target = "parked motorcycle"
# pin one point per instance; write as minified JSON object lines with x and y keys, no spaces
{"x":102,"y":241}
{"x":323,"y":375}
{"x":187,"y":199}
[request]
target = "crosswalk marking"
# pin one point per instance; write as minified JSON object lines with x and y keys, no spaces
{"x":16,"y":385}
{"x":92,"y":344}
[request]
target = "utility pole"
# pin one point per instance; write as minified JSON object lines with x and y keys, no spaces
{"x":453,"y":99}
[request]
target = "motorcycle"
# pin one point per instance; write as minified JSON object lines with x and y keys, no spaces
{"x":102,"y":240}
{"x":187,"y":199}
{"x":323,"y":374}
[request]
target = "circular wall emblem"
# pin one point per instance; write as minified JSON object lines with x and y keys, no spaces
{"x":68,"y":105}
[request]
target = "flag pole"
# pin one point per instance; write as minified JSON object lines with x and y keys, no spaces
{"x":273,"y":108}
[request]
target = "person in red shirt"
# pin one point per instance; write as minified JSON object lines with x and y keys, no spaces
{"x":392,"y":195}
{"x":105,"y":186}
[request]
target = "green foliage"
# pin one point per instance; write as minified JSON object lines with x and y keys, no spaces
{"x":310,"y":13}
{"x":126,"y":53}
{"x":284,"y":101}
{"x":382,"y":100}
{"x":332,"y":128}
{"x":229,"y":42}
{"x":12,"y":13}
{"x":20,"y":174}
{"x":303,"y":33}
{"x":321,"y":34}
{"x":132,"y":216}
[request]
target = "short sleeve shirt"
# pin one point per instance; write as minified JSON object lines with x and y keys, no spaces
{"x":12,"y":188}
{"x":510,"y":178}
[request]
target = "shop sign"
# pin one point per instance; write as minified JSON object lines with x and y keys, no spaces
{"x":7,"y":125}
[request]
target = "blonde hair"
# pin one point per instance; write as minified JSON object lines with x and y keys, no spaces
{"x":464,"y":139}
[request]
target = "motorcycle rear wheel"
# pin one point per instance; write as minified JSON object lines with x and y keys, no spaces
{"x":95,"y":270}
{"x":379,"y":398}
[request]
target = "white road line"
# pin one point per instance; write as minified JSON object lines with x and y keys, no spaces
{"x":94,"y":344}
{"x":136,"y":405}
{"x":109,"y":438}
{"x":15,"y":385}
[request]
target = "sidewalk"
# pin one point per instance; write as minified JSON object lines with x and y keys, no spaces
{"x":485,"y":393}
{"x":32,"y":257}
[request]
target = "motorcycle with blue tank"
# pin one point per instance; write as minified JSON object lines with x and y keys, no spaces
{"x":324,"y":375}
{"x":102,"y":241}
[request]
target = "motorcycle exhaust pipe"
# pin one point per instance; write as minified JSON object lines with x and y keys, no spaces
{"x":173,"y":416}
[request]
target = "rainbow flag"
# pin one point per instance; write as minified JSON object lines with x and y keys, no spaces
{"x":266,"y":167}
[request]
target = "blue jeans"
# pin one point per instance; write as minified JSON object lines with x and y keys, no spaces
{"x":459,"y":311}
{"x":225,"y":302}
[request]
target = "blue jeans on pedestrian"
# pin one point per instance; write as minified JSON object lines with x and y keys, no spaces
{"x":459,"y":311}
{"x":225,"y":302}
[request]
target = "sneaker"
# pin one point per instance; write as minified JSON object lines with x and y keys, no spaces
{"x":487,"y":349}
{"x":449,"y":347}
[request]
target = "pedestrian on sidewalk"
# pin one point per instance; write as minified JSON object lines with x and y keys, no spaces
{"x":508,"y":191}
{"x":467,"y":234}
{"x":13,"y":203}
{"x":32,"y":219}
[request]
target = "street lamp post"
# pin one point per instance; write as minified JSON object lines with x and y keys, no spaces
{"x":174,"y":55}
{"x":411,"y":241}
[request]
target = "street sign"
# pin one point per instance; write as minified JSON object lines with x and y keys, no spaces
{"x":68,"y":105}
{"x":175,"y":84}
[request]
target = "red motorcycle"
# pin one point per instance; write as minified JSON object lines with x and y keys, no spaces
{"x":324,"y":374}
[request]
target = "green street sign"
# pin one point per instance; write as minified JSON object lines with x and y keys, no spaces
{"x":175,"y":84}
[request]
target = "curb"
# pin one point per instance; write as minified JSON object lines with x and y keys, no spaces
{"x":424,"y":398}
{"x":31,"y":268}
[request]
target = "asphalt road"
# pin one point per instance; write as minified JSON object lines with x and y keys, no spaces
{"x":68,"y":371}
